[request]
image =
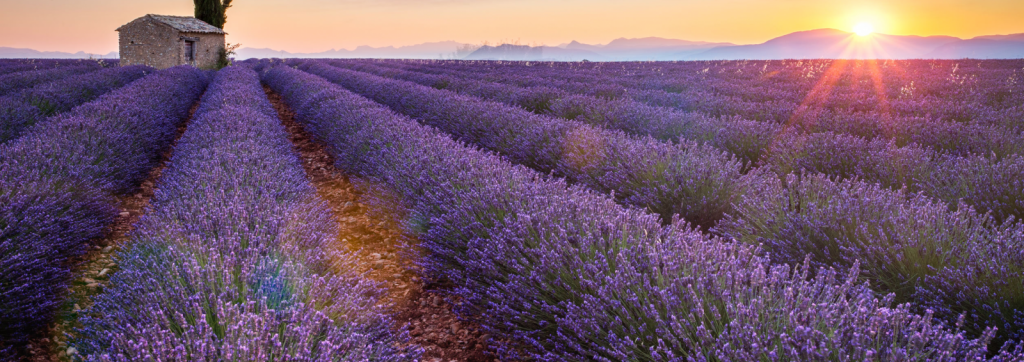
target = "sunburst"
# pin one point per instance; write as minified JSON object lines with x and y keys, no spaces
{"x":864,"y":29}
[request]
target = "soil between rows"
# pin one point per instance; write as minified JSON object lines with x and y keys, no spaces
{"x":384,"y":252}
{"x":374,"y":234}
{"x":92,"y":270}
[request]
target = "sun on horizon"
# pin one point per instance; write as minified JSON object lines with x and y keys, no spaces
{"x":863,"y":29}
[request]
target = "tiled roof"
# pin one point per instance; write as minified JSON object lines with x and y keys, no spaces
{"x":186,"y":24}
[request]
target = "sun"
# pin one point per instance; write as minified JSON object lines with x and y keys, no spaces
{"x":864,"y":29}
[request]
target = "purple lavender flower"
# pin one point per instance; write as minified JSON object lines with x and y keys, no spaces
{"x":23,"y":109}
{"x":557,"y":272}
{"x":233,"y":259}
{"x":13,"y":82}
{"x":57,"y":182}
{"x":692,"y":180}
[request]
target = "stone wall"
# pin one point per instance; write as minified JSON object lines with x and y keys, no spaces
{"x":145,"y":41}
{"x":207,"y":49}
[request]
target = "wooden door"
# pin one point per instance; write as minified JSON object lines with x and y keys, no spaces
{"x":190,"y":52}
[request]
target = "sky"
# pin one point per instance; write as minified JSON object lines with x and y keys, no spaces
{"x":318,"y":25}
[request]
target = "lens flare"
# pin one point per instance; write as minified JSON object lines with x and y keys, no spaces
{"x":864,"y":29}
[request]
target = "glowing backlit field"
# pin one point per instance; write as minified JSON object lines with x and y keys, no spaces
{"x":785,"y":210}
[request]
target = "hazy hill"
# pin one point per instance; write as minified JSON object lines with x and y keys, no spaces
{"x":811,"y":44}
{"x":651,"y":48}
{"x":435,"y":50}
{"x":649,"y":43}
{"x":831,"y":43}
{"x":525,"y":52}
{"x":580,"y":46}
{"x":6,"y":52}
{"x":983,"y":47}
{"x":1009,"y":37}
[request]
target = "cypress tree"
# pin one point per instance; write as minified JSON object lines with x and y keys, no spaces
{"x":206,"y":10}
{"x":224,"y":12}
{"x":213,"y":12}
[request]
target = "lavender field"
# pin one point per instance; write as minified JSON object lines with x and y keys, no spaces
{"x":430,"y":210}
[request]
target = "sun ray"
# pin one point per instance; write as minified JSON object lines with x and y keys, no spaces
{"x":821,"y":91}
{"x":881,"y":94}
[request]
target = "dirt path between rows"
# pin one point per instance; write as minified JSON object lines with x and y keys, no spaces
{"x":377,"y":238}
{"x":93,"y":270}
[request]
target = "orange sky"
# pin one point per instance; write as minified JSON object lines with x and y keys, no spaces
{"x":317,"y":25}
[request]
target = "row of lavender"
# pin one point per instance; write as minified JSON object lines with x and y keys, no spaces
{"x":22,"y":109}
{"x":233,"y":260}
{"x":13,"y":82}
{"x":793,"y":91}
{"x":57,"y":188}
{"x":557,"y":272}
{"x":694,"y":181}
{"x":953,"y":261}
{"x":956,"y":90}
{"x":980,"y":166}
{"x":748,"y":139}
{"x":8,"y":66}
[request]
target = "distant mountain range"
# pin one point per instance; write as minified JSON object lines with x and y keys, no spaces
{"x":820,"y":43}
{"x":435,"y":50}
{"x":6,"y":52}
{"x":619,"y":49}
{"x":647,"y":48}
{"x":525,"y":52}
{"x":831,"y":43}
{"x":992,"y":46}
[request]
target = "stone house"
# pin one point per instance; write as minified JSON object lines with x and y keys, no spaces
{"x":163,"y":41}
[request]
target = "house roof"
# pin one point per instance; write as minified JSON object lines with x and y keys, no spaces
{"x":185,"y":24}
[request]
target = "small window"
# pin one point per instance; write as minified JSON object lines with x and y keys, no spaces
{"x":190,"y":51}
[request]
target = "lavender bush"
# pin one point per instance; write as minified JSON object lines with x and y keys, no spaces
{"x":836,"y":235}
{"x":15,"y":116}
{"x":745,"y":139}
{"x":534,"y":99}
{"x":14,"y":82}
{"x":694,"y":181}
{"x":751,"y":141}
{"x":988,"y":183}
{"x":556,"y":272}
{"x":906,"y":242}
{"x":946,"y":105}
{"x":23,"y":109}
{"x":748,"y":140}
{"x":56,"y":184}
{"x":893,"y":161}
{"x":234,"y":259}
{"x":8,"y":66}
{"x":780,"y":91}
{"x":844,"y":156}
